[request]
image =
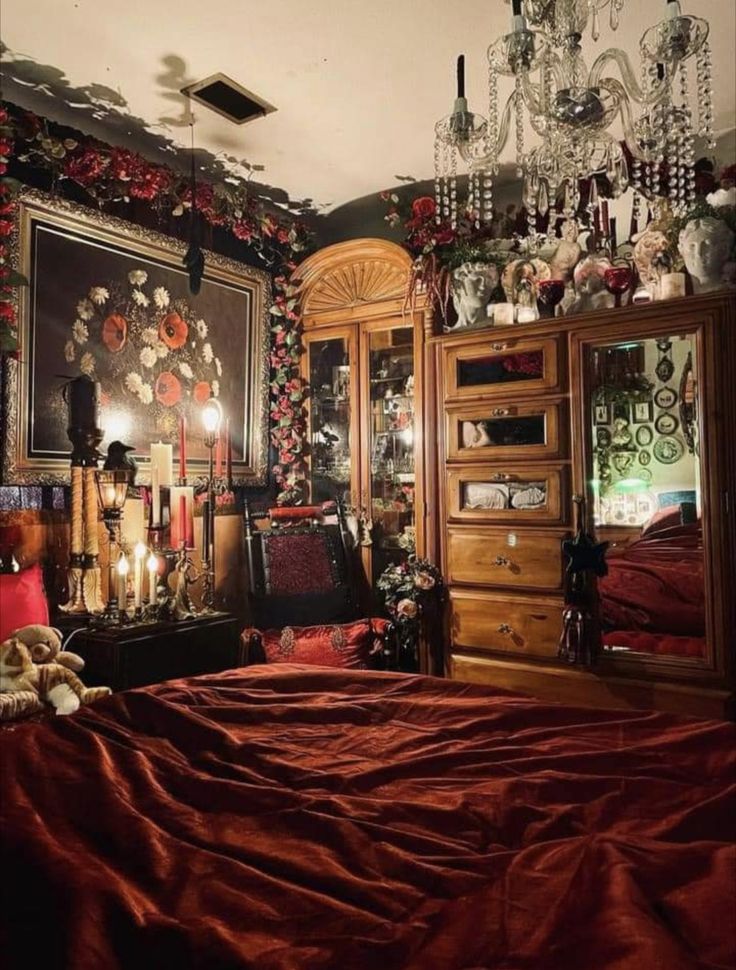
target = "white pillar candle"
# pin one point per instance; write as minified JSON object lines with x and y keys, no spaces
{"x":162,"y":457}
{"x":123,"y":568}
{"x":155,"y":496}
{"x":526,"y":314}
{"x":672,"y":286}
{"x":503,"y":314}
{"x":140,"y":554}
{"x":152,"y":564}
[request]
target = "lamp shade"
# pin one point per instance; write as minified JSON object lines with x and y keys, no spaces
{"x":112,"y":488}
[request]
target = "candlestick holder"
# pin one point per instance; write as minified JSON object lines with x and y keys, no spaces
{"x":182,"y":607}
{"x":211,"y":419}
{"x":112,"y":490}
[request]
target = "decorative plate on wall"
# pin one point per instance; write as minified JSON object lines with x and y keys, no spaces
{"x":664,"y":369}
{"x":603,"y":438}
{"x":665,"y":397}
{"x":666,"y":424}
{"x":644,"y":457}
{"x":644,"y":436}
{"x":645,"y":475}
{"x":668,"y":450}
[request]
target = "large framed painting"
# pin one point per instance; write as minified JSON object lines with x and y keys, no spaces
{"x":110,"y":299}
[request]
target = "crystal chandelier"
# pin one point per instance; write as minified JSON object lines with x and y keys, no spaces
{"x":573,"y":109}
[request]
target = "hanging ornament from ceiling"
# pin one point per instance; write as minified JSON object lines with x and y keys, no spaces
{"x":193,"y":258}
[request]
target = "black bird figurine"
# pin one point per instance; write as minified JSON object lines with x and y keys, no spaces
{"x":118,"y":459}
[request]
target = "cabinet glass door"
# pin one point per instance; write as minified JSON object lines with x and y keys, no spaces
{"x":331,"y":405}
{"x":390,"y":444}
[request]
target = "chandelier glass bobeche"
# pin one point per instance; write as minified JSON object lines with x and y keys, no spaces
{"x":573,"y":109}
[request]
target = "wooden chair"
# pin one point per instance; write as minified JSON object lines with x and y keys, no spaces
{"x":302,"y":574}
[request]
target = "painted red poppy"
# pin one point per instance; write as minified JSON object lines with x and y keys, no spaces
{"x":202,"y":392}
{"x":173,"y":331}
{"x":115,"y":332}
{"x":168,"y":389}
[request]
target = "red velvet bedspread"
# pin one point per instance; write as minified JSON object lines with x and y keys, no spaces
{"x":287,"y":818}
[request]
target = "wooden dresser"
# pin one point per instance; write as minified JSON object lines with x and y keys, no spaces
{"x":518,"y":437}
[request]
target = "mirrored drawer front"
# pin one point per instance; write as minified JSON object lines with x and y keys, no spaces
{"x":523,"y":558}
{"x":487,"y":432}
{"x":501,"y":368}
{"x":523,"y":494}
{"x":501,"y":624}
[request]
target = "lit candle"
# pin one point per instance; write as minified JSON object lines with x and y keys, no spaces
{"x":503,"y":314}
{"x":671,"y":286}
{"x":140,"y":554}
{"x":123,"y":568}
{"x":228,"y":453}
{"x":152,"y":564}
{"x":155,"y":497}
{"x":162,"y":458}
{"x":182,"y":448}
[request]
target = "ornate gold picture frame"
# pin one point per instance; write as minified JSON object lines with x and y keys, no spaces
{"x":111,"y":299}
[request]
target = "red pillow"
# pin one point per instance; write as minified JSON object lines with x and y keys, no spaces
{"x":663,"y":519}
{"x":342,"y":645}
{"x":22,"y":600}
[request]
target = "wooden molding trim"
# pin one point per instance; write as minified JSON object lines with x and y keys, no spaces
{"x":352,"y":273}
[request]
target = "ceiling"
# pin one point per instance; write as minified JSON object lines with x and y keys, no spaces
{"x":358,"y":85}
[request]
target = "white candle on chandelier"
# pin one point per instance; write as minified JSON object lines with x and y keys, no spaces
{"x":152,"y":564}
{"x":139,"y":554}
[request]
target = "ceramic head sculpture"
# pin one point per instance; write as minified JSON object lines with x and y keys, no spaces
{"x":706,"y":245}
{"x":472,"y":285}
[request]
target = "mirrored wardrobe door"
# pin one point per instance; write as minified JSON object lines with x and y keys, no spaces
{"x":644,"y":470}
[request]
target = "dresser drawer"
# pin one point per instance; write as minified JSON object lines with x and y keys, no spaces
{"x":521,"y":431}
{"x":518,"y":559}
{"x":498,"y":623}
{"x":524,"y":494}
{"x":501,"y":367}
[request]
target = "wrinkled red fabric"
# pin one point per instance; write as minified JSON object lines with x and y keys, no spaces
{"x":287,"y":818}
{"x":664,"y":644}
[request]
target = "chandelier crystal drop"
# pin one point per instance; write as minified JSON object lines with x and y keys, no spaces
{"x":573,"y":108}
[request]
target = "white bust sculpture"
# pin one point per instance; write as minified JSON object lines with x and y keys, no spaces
{"x":705,"y":245}
{"x":472,"y":285}
{"x":567,"y":254}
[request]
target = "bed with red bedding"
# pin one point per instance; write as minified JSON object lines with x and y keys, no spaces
{"x":653,"y":598}
{"x":300,"y":818}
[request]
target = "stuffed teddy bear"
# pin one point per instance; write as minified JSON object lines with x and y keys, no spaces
{"x":44,"y":644}
{"x":49,"y":682}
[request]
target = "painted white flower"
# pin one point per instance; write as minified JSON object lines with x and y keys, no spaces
{"x":85,"y":310}
{"x":201,"y":328}
{"x":722,"y":197}
{"x":80,"y":332}
{"x":150,"y":335}
{"x":185,"y":370}
{"x":161,"y":350}
{"x":137,"y":277}
{"x":134,"y":382}
{"x":161,"y":297}
{"x":215,"y":388}
{"x":69,"y":351}
{"x":148,"y":357}
{"x":140,"y":298}
{"x":145,"y":394}
{"x":99,"y":295}
{"x":207,"y":353}
{"x":87,"y":364}
{"x":218,"y":366}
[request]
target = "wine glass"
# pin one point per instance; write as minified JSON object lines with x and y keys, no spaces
{"x":618,"y":279}
{"x":550,"y":293}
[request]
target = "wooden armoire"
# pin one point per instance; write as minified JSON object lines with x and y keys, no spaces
{"x":371,"y":400}
{"x":635,"y":409}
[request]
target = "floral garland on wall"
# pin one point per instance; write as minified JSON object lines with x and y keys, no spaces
{"x":111,"y":174}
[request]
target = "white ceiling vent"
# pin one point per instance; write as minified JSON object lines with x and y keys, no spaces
{"x":229,"y":99}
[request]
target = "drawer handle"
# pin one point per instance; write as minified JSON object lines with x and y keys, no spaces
{"x":500,"y":347}
{"x":501,"y":561}
{"x":506,"y":629}
{"x":500,"y":477}
{"x":501,"y":412}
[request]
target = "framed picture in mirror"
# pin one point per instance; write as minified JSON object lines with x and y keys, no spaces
{"x":643,"y":412}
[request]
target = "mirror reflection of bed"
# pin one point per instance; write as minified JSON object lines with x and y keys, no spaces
{"x":647,"y":496}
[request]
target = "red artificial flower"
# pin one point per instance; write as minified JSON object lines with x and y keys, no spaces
{"x":7,"y":311}
{"x":3,"y":116}
{"x":424,"y":207}
{"x":7,"y":208}
{"x":153,"y":180}
{"x":173,"y":331}
{"x":168,"y":389}
{"x":85,"y":165}
{"x":6,"y":227}
{"x":6,"y":146}
{"x":282,"y":235}
{"x":123,"y":164}
{"x":115,"y":332}
{"x":3,"y":168}
{"x":206,"y":202}
{"x":201,"y":392}
{"x":242,"y":229}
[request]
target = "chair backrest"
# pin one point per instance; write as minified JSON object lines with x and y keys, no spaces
{"x":300,"y":572}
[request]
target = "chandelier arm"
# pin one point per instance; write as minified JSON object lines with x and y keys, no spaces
{"x":632,"y":142}
{"x":630,"y":84}
{"x":490,"y":158}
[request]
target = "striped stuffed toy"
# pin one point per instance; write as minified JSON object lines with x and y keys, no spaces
{"x":26,"y":686}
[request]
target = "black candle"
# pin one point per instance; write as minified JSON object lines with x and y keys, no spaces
{"x":83,"y":399}
{"x":461,"y":76}
{"x":517,"y":8}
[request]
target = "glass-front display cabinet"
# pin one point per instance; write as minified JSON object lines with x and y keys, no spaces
{"x":362,"y":417}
